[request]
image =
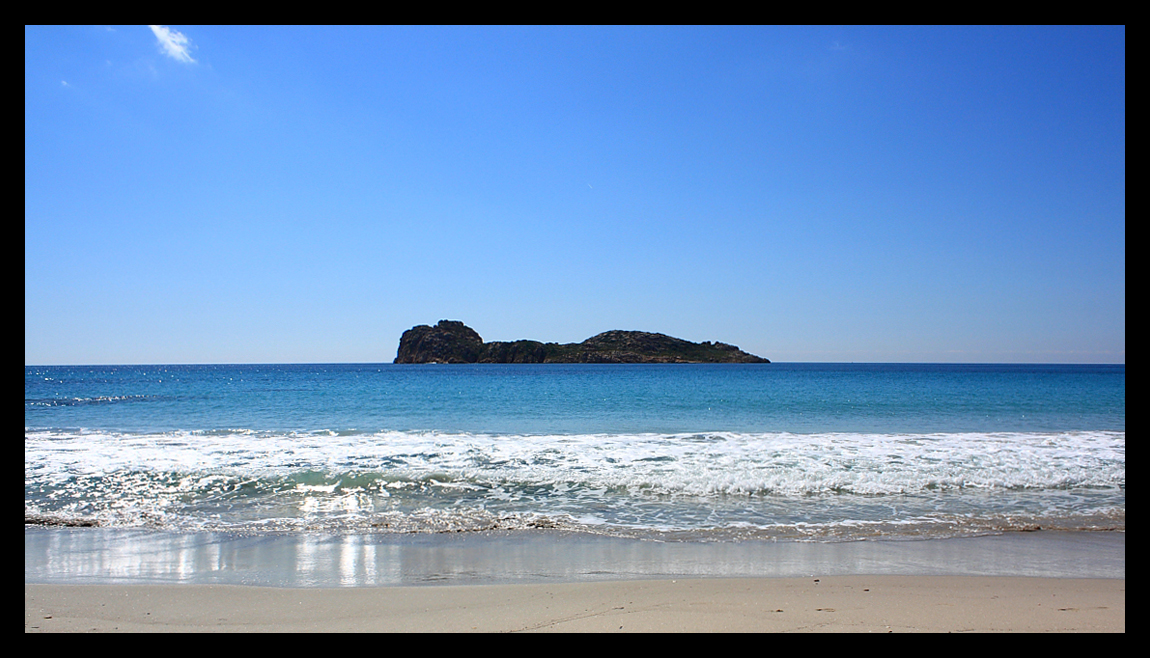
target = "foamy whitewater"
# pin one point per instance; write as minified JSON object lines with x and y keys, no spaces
{"x":688,"y":452}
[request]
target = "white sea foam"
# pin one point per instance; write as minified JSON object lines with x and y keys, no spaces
{"x":654,"y":464}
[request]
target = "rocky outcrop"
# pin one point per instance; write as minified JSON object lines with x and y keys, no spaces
{"x":451,"y":341}
{"x":519,"y":351}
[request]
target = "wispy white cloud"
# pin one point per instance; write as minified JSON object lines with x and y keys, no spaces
{"x":173,"y":44}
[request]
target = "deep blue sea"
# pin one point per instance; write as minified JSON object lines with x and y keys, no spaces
{"x":818,"y":452}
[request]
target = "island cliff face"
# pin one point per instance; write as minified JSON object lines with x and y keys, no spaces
{"x":451,"y":341}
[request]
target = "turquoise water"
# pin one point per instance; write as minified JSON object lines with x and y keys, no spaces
{"x":696,"y":452}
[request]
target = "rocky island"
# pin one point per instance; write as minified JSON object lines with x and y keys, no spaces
{"x":451,"y":341}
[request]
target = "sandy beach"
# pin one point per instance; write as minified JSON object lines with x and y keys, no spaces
{"x":86,"y":580}
{"x":878,"y":604}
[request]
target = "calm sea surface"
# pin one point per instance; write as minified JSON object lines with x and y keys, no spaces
{"x":691,"y":452}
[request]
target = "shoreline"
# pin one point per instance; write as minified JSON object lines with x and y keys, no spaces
{"x":116,"y":580}
{"x":73,"y":556}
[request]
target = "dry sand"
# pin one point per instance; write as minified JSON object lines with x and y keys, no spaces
{"x":825,"y":604}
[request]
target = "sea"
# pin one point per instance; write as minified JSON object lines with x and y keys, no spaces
{"x":798,"y":452}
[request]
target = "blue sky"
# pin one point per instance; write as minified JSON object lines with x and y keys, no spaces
{"x":251,"y":195}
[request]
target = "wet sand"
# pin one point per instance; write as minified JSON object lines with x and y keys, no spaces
{"x":83,"y":580}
